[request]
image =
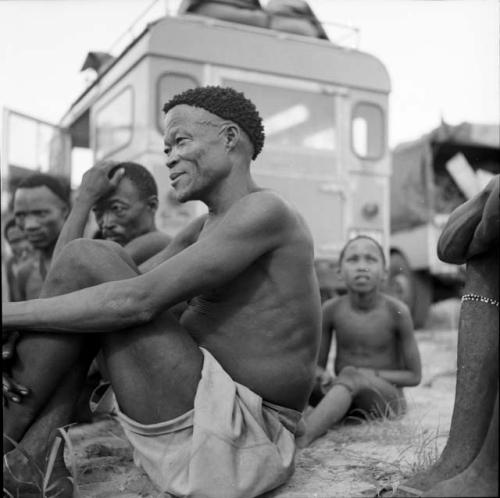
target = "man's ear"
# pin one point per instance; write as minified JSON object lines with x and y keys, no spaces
{"x":232,"y":135}
{"x":152,"y":202}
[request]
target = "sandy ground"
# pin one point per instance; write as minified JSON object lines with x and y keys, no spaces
{"x":348,"y":460}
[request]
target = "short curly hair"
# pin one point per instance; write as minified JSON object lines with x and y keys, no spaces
{"x":226,"y":103}
{"x":140,"y":176}
{"x":58,"y":185}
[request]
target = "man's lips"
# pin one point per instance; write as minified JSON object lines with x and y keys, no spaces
{"x":35,"y":237}
{"x":174,"y":176}
{"x":112,"y":236}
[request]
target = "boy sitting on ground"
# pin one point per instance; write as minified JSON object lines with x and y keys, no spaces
{"x":376,"y":353}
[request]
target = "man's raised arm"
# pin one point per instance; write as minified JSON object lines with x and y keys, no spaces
{"x":253,"y":226}
{"x":95,"y":184}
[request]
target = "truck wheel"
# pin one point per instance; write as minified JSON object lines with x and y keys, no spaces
{"x":412,"y":287}
{"x":400,"y":282}
{"x":423,"y":298}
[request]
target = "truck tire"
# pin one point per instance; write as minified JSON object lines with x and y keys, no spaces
{"x":423,"y":298}
{"x":414,"y":288}
{"x":400,"y":283}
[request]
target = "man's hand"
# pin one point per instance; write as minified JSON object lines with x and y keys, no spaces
{"x":11,"y":389}
{"x":96,"y":181}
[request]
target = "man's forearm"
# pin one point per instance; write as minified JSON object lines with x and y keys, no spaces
{"x":400,"y":378}
{"x":84,"y":311}
{"x":75,"y":224}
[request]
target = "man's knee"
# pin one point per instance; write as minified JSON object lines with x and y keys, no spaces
{"x":85,"y":262}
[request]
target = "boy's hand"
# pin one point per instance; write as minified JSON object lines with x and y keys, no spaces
{"x":323,"y":380}
{"x":11,"y":390}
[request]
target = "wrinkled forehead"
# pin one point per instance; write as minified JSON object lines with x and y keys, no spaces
{"x":35,"y":197}
{"x":125,"y":191}
{"x":189,"y":117}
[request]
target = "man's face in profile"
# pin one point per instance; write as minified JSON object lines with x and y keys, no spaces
{"x":124,"y":214}
{"x":195,"y":151}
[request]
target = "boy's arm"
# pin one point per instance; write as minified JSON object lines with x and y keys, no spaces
{"x":411,"y":375}
{"x":95,"y":184}
{"x":254,"y":226}
{"x":326,"y":333}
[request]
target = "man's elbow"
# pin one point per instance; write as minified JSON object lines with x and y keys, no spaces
{"x":416,"y":379}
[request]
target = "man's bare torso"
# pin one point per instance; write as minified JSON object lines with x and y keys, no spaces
{"x":263,"y":327}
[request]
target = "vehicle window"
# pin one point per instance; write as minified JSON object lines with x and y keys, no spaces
{"x":368,"y":131}
{"x":293,"y":118}
{"x":114,"y":124}
{"x":170,"y":84}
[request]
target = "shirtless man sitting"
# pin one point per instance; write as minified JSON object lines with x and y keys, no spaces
{"x":376,"y":353}
{"x":211,"y":403}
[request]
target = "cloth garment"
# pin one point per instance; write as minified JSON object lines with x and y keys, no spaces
{"x":232,"y":444}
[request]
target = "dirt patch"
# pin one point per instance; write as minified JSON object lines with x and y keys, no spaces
{"x":343,"y":463}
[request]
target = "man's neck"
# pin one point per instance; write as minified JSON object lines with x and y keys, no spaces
{"x":231,"y":190}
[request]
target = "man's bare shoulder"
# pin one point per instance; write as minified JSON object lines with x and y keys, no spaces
{"x":270,"y":211}
{"x":25,"y":269}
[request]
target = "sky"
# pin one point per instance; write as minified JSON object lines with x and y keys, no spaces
{"x":442,"y":56}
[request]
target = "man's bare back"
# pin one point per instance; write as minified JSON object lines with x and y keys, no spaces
{"x":264,"y":305}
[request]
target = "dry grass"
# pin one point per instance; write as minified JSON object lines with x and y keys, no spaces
{"x":41,"y":478}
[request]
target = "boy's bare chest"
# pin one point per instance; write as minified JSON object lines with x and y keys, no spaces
{"x":373,"y":330}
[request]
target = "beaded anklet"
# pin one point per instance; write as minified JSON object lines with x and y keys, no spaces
{"x":482,"y":299}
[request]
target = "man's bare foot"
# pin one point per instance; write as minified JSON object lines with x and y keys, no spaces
{"x":428,"y":478}
{"x":468,"y":483}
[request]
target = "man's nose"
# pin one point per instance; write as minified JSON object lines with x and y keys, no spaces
{"x":108,"y":220}
{"x":172,"y":159}
{"x":31,"y":223}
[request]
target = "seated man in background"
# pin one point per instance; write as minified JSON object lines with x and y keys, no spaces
{"x":212,"y":402}
{"x":41,"y":206}
{"x":376,"y":353}
{"x":124,"y":199}
{"x":21,"y":250}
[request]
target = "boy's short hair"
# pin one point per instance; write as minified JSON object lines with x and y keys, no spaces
{"x":59,"y":186}
{"x":140,"y":176}
{"x":361,"y":236}
{"x":226,"y":103}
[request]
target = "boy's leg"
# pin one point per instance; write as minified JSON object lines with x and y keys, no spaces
{"x":369,"y":393}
